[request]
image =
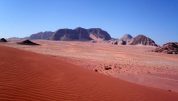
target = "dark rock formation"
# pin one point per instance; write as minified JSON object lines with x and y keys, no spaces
{"x":83,"y":34}
{"x":143,"y":40}
{"x":3,"y":40}
{"x":42,"y":35}
{"x":65,"y":34}
{"x":98,"y":34}
{"x":169,"y":48}
{"x":79,"y":33}
{"x":27,"y":42}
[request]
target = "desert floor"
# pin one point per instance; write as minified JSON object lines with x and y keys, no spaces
{"x":132,"y":63}
{"x":27,"y":76}
{"x":137,"y":64}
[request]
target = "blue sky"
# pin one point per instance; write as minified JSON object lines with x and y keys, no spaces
{"x":158,"y":19}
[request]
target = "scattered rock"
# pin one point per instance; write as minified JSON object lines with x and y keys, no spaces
{"x":107,"y":67}
{"x":96,"y":70}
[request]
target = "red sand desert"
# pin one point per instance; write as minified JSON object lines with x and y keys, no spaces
{"x":62,"y":75}
{"x":136,"y":64}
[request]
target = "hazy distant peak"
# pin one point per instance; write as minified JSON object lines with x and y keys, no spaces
{"x":126,"y":37}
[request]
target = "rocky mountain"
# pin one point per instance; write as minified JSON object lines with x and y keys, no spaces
{"x":129,"y":40}
{"x":169,"y":48}
{"x":42,"y":35}
{"x":79,"y":33}
{"x":69,"y":34}
{"x":98,"y":34}
{"x":83,"y":33}
{"x":143,"y":40}
{"x":65,"y":34}
{"x":95,"y":34}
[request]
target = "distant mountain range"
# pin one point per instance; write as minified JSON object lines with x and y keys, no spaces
{"x":95,"y":34}
{"x":79,"y":33}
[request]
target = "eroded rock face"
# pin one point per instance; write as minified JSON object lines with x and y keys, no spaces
{"x":169,"y":48}
{"x":42,"y":35}
{"x":79,"y":33}
{"x":82,"y":33}
{"x":98,"y":34}
{"x":142,"y":40}
{"x":65,"y":35}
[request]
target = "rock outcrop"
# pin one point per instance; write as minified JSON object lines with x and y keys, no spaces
{"x":169,"y":48}
{"x":3,"y":40}
{"x":27,"y":42}
{"x":142,"y":40}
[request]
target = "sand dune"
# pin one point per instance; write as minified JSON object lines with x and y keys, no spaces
{"x":26,"y":76}
{"x":135,"y":64}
